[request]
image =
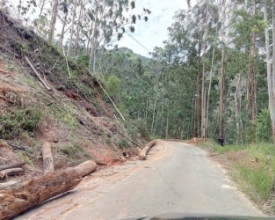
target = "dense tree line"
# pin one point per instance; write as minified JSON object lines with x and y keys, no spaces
{"x":214,"y":77}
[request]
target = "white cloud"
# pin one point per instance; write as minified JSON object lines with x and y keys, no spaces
{"x":154,"y":32}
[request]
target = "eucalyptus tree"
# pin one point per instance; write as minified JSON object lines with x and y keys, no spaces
{"x":207,"y":13}
{"x":186,"y":37}
{"x":270,"y":68}
{"x":107,"y":19}
{"x":53,"y":19}
{"x":193,"y":34}
{"x":222,"y":77}
{"x":247,"y":26}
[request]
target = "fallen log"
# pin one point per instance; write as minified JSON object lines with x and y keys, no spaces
{"x":29,"y":193}
{"x":86,"y":168}
{"x":11,"y":172}
{"x":146,"y":149}
{"x":7,"y":184}
{"x":47,"y":158}
{"x":13,"y":165}
{"x":38,"y":75}
{"x":16,"y":146}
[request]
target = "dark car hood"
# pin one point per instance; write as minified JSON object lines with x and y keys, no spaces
{"x":195,"y":216}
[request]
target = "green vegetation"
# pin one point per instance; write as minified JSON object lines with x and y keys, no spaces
{"x":15,"y":121}
{"x":122,"y":144}
{"x":75,"y":153}
{"x":252,"y":167}
{"x":25,"y":158}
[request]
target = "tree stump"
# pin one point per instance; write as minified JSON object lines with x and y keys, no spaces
{"x":48,"y":165}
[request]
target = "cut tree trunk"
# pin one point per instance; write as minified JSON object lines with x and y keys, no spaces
{"x":14,"y":165}
{"x":38,"y":75}
{"x":29,"y":193}
{"x":48,"y":165}
{"x":146,"y":149}
{"x":7,"y":184}
{"x":11,"y":172}
{"x":86,"y":168}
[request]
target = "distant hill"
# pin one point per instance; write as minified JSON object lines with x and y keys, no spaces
{"x":144,"y":59}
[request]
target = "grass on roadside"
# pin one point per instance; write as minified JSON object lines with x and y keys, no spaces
{"x":253,"y":168}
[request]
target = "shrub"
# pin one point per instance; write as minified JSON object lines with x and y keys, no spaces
{"x":263,"y":126}
{"x":114,"y":85}
{"x":14,"y":122}
{"x":75,"y":152}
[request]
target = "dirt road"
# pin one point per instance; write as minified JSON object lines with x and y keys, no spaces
{"x":176,"y":178}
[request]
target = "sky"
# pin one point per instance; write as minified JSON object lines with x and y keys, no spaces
{"x":152,"y":33}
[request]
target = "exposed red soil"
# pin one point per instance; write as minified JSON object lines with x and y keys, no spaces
{"x":104,"y":106}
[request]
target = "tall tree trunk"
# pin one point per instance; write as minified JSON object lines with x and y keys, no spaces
{"x":203,"y":116}
{"x":72,"y":29}
{"x":63,"y":29}
{"x":270,"y":86}
{"x":53,"y":20}
{"x":78,"y":30}
{"x":154,"y":110}
{"x":167,"y":121}
{"x":93,"y":39}
{"x":194,"y":103}
{"x":238,"y":107}
{"x":221,"y":83}
{"x":42,"y":7}
{"x":221,"y":104}
{"x":272,"y":108}
{"x":208,"y":94}
{"x":198,"y":100}
{"x":251,"y":86}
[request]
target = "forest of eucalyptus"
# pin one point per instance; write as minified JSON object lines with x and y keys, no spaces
{"x":214,"y":78}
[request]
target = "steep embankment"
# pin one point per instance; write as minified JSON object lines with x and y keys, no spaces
{"x":72,"y":114}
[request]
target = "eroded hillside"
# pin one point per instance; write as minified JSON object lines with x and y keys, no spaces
{"x":71,"y":113}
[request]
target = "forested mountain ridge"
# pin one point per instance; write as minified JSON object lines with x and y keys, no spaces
{"x":144,"y":59}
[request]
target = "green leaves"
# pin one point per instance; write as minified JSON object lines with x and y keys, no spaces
{"x":263,"y":131}
{"x":133,"y":4}
{"x":119,"y":36}
{"x":14,"y":122}
{"x":91,"y":15}
{"x":132,"y":29}
{"x":133,"y":19}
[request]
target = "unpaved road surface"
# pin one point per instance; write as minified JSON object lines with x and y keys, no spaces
{"x":176,"y":178}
